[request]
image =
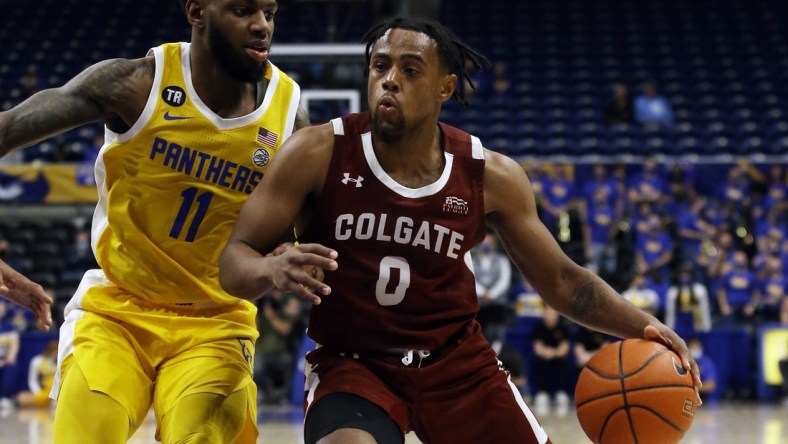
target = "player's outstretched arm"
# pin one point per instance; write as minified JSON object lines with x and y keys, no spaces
{"x":569,"y":288}
{"x":114,"y":90}
{"x":23,"y":292}
{"x":296,"y":174}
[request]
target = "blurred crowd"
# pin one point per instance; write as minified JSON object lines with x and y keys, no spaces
{"x":697,"y":260}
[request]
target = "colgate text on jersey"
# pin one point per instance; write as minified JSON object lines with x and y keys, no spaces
{"x":402,"y":230}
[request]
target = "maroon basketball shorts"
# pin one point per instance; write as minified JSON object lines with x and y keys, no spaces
{"x":458,"y":394}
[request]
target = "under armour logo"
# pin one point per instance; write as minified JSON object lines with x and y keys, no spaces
{"x":350,"y":179}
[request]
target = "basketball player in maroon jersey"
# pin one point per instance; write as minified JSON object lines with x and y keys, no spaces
{"x":393,"y":201}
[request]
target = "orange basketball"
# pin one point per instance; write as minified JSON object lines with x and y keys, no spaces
{"x":635,"y":391}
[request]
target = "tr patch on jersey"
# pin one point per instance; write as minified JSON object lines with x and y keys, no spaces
{"x":173,"y":95}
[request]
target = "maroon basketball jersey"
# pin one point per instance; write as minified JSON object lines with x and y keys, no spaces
{"x":405,"y":277}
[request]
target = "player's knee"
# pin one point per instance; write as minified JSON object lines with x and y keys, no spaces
{"x":206,"y":418}
{"x":348,"y":436}
{"x":200,"y":437}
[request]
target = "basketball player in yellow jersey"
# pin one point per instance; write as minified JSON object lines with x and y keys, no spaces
{"x":190,"y":130}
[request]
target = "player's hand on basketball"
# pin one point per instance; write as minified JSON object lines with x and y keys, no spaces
{"x":299,"y":269}
{"x":23,"y":292}
{"x":664,"y":335}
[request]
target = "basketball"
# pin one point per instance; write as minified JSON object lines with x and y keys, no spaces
{"x":635,"y":391}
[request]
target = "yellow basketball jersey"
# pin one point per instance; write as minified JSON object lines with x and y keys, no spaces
{"x":171,"y":187}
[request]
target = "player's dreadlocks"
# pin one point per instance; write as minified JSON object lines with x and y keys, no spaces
{"x":452,"y":52}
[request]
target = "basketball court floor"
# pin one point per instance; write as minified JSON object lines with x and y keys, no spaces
{"x":739,"y":423}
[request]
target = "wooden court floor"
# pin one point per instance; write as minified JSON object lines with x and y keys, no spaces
{"x":739,"y":423}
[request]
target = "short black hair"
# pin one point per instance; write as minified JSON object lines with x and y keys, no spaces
{"x":452,"y":52}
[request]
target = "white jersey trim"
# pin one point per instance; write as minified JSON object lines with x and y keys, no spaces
{"x":393,"y":185}
{"x":541,"y":435}
{"x":150,"y":105}
{"x":292,"y":112}
{"x":477,"y":150}
{"x":220,"y":122}
{"x":73,"y":313}
{"x":339,"y":127}
{"x":100,"y":221}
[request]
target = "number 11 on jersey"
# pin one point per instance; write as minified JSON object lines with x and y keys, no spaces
{"x":189,"y":196}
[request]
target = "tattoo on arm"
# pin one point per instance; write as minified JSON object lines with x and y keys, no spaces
{"x":587,"y":303}
{"x":96,"y":93}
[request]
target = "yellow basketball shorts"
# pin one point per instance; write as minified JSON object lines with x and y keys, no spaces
{"x":142,"y":354}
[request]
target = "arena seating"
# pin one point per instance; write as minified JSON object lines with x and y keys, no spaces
{"x":722,"y":66}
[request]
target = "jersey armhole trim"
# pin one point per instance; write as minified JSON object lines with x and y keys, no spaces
{"x":477,"y":150}
{"x":150,"y":106}
{"x":295,"y":102}
{"x":339,"y":127}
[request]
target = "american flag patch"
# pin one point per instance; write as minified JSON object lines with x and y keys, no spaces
{"x":267,"y":137}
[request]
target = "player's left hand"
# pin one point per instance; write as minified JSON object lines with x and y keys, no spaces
{"x":661,"y":333}
{"x":306,"y":281}
{"x":23,"y":292}
{"x":316,"y":272}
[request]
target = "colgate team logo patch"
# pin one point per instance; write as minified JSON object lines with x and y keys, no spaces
{"x":454,"y":204}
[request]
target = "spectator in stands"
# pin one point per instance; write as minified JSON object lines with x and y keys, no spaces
{"x":714,"y":257}
{"x":493,"y":272}
{"x":19,"y":319}
{"x":9,"y":350}
{"x":40,"y":375}
{"x":601,"y":220}
{"x":770,"y":293}
{"x":654,"y":249}
{"x":280,"y":321}
{"x":651,"y":108}
{"x":551,"y":362}
{"x":648,"y":185}
{"x":687,"y":308}
{"x":735,"y":293}
{"x":692,"y":229}
{"x":641,"y":296}
{"x":558,"y":195}
{"x":528,"y":302}
{"x":619,"y":109}
{"x":776,"y":199}
{"x":736,"y":189}
{"x":601,"y":180}
{"x":538,"y":178}
{"x":79,"y":256}
{"x":708,"y":370}
{"x":587,"y":343}
{"x":638,"y":219}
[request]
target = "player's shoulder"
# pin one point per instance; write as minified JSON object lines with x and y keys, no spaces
{"x":500,"y":165}
{"x":143,"y":67}
{"x":312,"y":140}
{"x":352,"y":125}
{"x":117,"y":86}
